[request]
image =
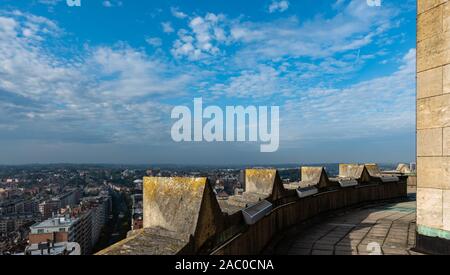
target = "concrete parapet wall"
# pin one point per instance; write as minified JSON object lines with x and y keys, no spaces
{"x":356,"y":171}
{"x":314,"y":176}
{"x":256,"y":237}
{"x":373,"y":170}
{"x":183,"y":216}
{"x":180,"y":216}
{"x":173,"y":203}
{"x":265,"y":182}
{"x":260,"y":181}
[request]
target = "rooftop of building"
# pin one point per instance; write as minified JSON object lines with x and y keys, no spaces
{"x":63,"y":248}
{"x":55,"y":222}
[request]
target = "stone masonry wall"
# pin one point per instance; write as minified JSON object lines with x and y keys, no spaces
{"x":433,"y":118}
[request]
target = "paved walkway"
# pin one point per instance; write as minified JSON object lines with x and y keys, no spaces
{"x":387,"y":229}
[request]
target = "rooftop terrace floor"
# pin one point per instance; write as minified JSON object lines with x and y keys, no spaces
{"x":381,"y":229}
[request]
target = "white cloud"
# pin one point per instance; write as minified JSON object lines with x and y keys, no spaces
{"x":203,"y":38}
{"x":104,"y":94}
{"x":134,"y":74}
{"x":167,"y":27}
{"x":278,"y":6}
{"x":356,"y":26}
{"x":260,"y":82}
{"x":379,"y":106}
{"x":49,"y":2}
{"x":111,"y":3}
{"x":109,"y":92}
{"x":154,"y":41}
{"x":177,"y":13}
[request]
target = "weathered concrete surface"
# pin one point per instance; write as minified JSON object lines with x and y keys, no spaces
{"x":180,"y":213}
{"x":403,"y":168}
{"x":315,"y":177}
{"x":373,"y":169}
{"x":173,"y":203}
{"x":381,"y":229}
{"x":260,"y":184}
{"x":350,"y":170}
{"x":376,"y":174}
{"x":354,"y":171}
{"x":148,"y":242}
{"x":264,"y":182}
{"x":236,"y":203}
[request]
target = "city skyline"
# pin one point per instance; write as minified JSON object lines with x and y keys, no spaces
{"x":97,"y":83}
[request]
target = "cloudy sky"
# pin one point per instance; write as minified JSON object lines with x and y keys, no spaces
{"x":97,"y":83}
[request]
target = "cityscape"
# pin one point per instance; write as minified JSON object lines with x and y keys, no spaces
{"x":90,"y":207}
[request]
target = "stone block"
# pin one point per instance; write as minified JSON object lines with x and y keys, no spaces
{"x":429,"y":207}
{"x":429,"y":23}
{"x":433,"y":112}
{"x":446,"y":210}
{"x":425,"y":5}
{"x":429,"y":142}
{"x":446,"y":17}
{"x":315,"y":176}
{"x":429,"y":83}
{"x":446,"y":142}
{"x":265,"y":182}
{"x":433,"y":172}
{"x":433,"y":52}
{"x":446,"y":79}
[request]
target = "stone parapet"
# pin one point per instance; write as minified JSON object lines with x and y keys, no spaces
{"x":183,"y":216}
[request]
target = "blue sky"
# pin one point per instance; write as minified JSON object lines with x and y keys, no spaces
{"x":97,"y":83}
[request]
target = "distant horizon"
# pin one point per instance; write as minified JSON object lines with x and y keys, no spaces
{"x":197,"y":165}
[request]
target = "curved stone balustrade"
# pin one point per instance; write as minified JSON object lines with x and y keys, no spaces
{"x":183,"y":216}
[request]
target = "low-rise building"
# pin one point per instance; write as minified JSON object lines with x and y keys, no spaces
{"x":64,"y":229}
{"x":53,"y":249}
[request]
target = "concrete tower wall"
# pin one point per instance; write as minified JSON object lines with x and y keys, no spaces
{"x":433,"y":125}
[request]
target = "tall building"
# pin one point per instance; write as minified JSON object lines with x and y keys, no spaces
{"x":64,"y":229}
{"x":11,"y":207}
{"x":242,"y":178}
{"x":51,"y":207}
{"x":100,"y":208}
{"x":6,"y":226}
{"x":137,"y":213}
